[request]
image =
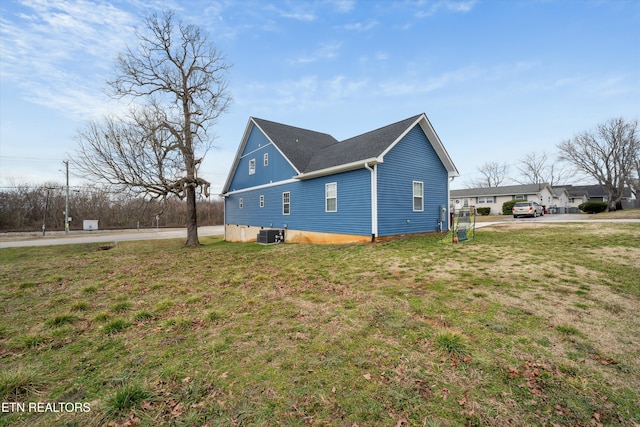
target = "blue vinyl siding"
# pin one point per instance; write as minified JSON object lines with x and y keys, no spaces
{"x":308,"y":205}
{"x":412,"y":159}
{"x":278,"y":168}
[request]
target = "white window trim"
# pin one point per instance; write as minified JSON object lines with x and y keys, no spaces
{"x":413,"y":199}
{"x":486,"y":199}
{"x":287,"y":204}
{"x":262,"y":201}
{"x":252,"y":166}
{"x":326,"y":196}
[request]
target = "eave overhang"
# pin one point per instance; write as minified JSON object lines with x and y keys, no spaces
{"x":359,"y":164}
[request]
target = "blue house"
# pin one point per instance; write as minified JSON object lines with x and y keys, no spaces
{"x":390,"y":181}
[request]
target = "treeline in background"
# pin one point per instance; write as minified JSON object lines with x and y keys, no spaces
{"x":28,"y":207}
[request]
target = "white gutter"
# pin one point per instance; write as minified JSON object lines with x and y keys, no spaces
{"x":449,"y":225}
{"x":374,"y":199}
{"x":337,"y":169}
{"x":224,"y":217}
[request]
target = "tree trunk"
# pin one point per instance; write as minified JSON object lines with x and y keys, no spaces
{"x":192,"y":217}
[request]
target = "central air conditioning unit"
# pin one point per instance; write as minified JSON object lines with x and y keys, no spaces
{"x":267,"y":237}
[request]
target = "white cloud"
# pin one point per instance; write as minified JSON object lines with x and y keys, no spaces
{"x":341,"y":87}
{"x":381,"y":56}
{"x":430,"y":8}
{"x":343,"y":6}
{"x":424,"y":83}
{"x":298,"y":12}
{"x":307,"y":93}
{"x":326,"y":51}
{"x":48,"y":49}
{"x":359,"y":26}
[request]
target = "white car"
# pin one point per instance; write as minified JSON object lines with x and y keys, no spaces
{"x":531,"y":209}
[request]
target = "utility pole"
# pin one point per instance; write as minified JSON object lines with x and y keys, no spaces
{"x":46,"y":207}
{"x":66,"y":203}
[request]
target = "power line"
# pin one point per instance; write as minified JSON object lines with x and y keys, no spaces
{"x":30,"y":159}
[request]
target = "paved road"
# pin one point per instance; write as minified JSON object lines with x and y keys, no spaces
{"x":9,"y":240}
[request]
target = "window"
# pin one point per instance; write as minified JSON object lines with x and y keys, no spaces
{"x":252,"y":166}
{"x":286,"y":203}
{"x":266,"y":159}
{"x":241,"y":203}
{"x":331,"y":197}
{"x":418,"y":196}
{"x":520,"y":197}
{"x":488,"y":199}
{"x":262,"y":201}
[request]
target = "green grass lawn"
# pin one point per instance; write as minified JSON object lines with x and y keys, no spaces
{"x":523,"y":327}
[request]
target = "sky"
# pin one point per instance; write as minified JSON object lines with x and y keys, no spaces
{"x":498,"y":79}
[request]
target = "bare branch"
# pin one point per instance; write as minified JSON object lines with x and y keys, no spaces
{"x":493,"y":174}
{"x":538,"y":169}
{"x":607,"y":154}
{"x":181,"y":78}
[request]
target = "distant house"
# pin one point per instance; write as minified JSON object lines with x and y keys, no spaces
{"x":494,"y":197}
{"x":390,"y":181}
{"x":595,"y":193}
{"x":578,"y":194}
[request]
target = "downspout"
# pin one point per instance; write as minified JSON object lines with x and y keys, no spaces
{"x":449,"y":202}
{"x":374,"y":200}
{"x":224,"y":216}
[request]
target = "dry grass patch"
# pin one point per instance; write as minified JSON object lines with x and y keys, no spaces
{"x":618,"y":254}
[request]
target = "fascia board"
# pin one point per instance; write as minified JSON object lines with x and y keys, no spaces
{"x":277,"y":148}
{"x":243,"y":144}
{"x":236,"y":160}
{"x":436,"y":143}
{"x":258,"y":187}
{"x":338,"y":169}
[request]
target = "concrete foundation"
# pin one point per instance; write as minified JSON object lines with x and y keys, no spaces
{"x":247,"y":233}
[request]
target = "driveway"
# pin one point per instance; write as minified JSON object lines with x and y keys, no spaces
{"x":12,"y":240}
{"x":558,"y":218}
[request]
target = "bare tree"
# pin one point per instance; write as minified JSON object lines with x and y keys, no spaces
{"x":493,"y":174}
{"x":179,"y":78}
{"x":538,"y":169}
{"x":634,"y":177}
{"x":606,"y":154}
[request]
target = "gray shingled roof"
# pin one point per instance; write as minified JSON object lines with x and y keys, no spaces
{"x":595,"y":190}
{"x":362,"y":147}
{"x":312,"y":151}
{"x":297,"y":144}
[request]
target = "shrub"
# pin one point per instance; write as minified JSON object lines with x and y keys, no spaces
{"x":593,"y":207}
{"x":508,"y":205}
{"x":484,"y":211}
